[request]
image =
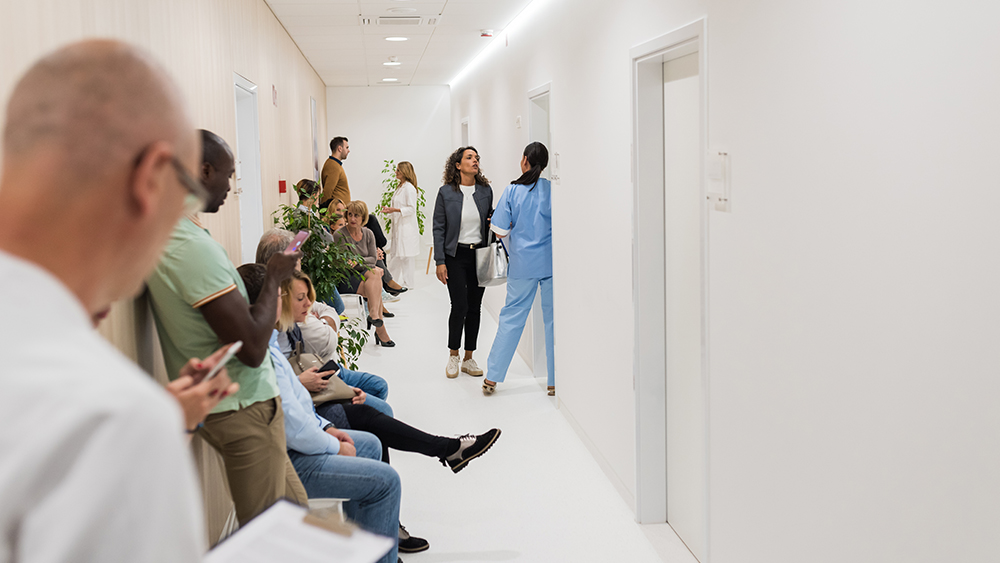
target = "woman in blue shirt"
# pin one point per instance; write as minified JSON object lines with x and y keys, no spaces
{"x":524,"y":216}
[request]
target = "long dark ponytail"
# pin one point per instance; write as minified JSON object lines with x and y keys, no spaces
{"x":538,"y":159}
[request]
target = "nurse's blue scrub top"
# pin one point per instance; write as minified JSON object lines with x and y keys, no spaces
{"x":524,"y":216}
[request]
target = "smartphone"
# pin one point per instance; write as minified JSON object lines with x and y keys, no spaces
{"x":297,"y":242}
{"x":233,"y":348}
{"x":330,"y":366}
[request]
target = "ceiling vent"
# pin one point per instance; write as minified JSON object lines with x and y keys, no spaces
{"x":399,"y":20}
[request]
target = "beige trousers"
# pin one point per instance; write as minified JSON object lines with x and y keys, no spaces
{"x":252,"y":444}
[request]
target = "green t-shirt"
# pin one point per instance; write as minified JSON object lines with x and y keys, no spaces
{"x":194,"y":270}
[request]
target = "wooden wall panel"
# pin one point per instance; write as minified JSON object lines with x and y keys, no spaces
{"x":202,"y":43}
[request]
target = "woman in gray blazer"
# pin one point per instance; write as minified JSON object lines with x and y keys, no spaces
{"x":461,"y":225}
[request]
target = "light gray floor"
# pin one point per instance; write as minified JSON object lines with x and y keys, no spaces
{"x":537,"y":495}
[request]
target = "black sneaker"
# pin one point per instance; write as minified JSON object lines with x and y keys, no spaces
{"x":411,"y":544}
{"x":470,"y":447}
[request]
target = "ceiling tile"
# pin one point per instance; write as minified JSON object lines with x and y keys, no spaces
{"x":343,"y":52}
{"x":337,"y":30}
{"x":314,"y":10}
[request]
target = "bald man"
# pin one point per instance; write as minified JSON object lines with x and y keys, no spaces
{"x":97,"y":150}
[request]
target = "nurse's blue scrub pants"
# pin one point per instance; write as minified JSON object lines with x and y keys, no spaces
{"x":520,"y":296}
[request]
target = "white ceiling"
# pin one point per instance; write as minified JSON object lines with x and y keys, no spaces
{"x":346,"y":53}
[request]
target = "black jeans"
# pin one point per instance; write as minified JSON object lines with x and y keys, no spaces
{"x":391,"y":432}
{"x":466,"y":298}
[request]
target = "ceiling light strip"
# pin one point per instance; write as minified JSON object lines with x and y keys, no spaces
{"x":494,"y":43}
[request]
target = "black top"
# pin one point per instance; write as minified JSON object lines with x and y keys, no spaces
{"x":376,"y":229}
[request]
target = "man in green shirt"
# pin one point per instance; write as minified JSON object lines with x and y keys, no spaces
{"x":199,"y":303}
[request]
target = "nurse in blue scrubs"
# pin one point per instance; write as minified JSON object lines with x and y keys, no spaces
{"x":523,"y":218}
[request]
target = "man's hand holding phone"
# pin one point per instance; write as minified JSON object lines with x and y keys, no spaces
{"x":281,"y":265}
{"x":198,"y":394}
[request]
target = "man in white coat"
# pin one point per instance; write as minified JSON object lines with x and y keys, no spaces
{"x":94,"y":465}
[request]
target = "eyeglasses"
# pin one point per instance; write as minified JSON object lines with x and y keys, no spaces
{"x":197,"y":198}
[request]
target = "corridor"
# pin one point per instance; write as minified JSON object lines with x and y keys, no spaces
{"x":537,"y":496}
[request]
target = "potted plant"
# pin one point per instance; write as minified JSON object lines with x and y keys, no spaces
{"x":328,"y":264}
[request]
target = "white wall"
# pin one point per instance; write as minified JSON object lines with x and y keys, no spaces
{"x":853,"y":301}
{"x":392,"y":122}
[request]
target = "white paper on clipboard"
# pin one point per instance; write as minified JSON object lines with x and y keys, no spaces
{"x":279,"y":534}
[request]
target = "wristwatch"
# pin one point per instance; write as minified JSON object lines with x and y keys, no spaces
{"x":328,"y":426}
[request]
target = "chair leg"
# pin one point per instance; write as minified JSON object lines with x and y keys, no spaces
{"x":430,"y":253}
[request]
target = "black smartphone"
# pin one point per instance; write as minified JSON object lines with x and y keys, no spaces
{"x":330,"y":366}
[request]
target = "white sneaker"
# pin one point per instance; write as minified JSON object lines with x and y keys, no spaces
{"x":388,"y":298}
{"x":472,"y":368}
{"x":452,"y":370}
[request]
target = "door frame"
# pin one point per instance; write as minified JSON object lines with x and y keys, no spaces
{"x":250,"y":88}
{"x":539,"y":367}
{"x":648,"y":276}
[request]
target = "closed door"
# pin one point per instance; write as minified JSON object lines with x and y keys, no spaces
{"x":683,"y":203}
{"x":248,"y":185}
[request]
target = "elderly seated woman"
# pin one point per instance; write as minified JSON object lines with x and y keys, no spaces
{"x":366,"y":278}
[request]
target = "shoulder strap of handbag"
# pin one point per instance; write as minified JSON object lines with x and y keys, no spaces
{"x":294,"y":335}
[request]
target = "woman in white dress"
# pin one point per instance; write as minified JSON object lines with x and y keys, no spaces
{"x":404,"y":232}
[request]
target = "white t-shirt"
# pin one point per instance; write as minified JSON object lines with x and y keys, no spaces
{"x":94,"y":465}
{"x":470,"y":232}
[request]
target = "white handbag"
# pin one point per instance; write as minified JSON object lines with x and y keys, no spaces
{"x":491,"y":263}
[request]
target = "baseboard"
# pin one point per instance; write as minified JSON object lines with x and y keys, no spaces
{"x":606,"y":467}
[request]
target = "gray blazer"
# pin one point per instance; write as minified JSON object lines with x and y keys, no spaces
{"x":448,"y":218}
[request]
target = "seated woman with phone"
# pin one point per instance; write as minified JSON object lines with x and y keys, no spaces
{"x":321,"y":339}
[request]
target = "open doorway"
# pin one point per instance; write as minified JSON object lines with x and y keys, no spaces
{"x":669,"y":284}
{"x":531,"y":347}
{"x":248,"y":185}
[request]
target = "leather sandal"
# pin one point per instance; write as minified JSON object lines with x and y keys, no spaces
{"x":552,"y":390}
{"x":489,"y":387}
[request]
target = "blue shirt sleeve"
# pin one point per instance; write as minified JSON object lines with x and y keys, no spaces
{"x":502,"y":220}
{"x":303,"y":427}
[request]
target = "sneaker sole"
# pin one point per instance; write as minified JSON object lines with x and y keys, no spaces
{"x":449,"y":374}
{"x":473,"y":374}
{"x":465,"y":462}
{"x":412,"y":550}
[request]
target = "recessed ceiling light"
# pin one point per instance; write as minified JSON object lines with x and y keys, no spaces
{"x":391,"y":64}
{"x":390,"y":80}
{"x":397,"y":38}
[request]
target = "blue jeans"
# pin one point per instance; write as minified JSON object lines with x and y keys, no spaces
{"x":372,"y":486}
{"x":337,"y":302}
{"x":376,"y":388}
{"x":520,"y":296}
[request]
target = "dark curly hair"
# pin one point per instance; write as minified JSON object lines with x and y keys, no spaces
{"x":452,"y":177}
